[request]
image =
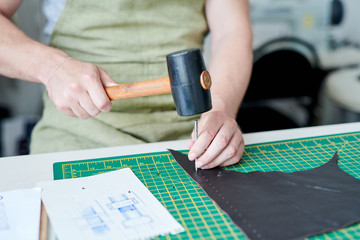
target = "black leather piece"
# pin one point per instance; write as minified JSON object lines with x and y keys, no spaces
{"x":278,"y":205}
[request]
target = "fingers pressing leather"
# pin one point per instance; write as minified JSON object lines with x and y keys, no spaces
{"x":220,"y":141}
{"x":223,"y":141}
{"x":208,"y":128}
{"x":230,"y":155}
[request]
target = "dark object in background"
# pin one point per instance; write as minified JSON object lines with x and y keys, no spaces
{"x":4,"y":113}
{"x":262,"y":118}
{"x":23,"y":146}
{"x":16,"y":133}
{"x":337,"y":15}
{"x":283,"y":68}
{"x":279,"y":205}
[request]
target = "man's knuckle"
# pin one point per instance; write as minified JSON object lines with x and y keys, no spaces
{"x":84,"y":116}
{"x":209,"y":134}
{"x":232,"y":151}
{"x":233,"y":123}
{"x":89,"y":76}
{"x":75,"y":88}
{"x":103,"y":105}
{"x":222,"y":141}
{"x":94,"y":112}
{"x":62,"y":108}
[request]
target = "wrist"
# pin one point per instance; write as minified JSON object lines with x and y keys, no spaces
{"x":46,"y":70}
{"x":57,"y":67}
{"x":219,"y":104}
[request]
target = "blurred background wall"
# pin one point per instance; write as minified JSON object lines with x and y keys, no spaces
{"x":20,"y":101}
{"x":303,"y":51}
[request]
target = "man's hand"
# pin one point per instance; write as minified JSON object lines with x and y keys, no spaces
{"x":220,"y":141}
{"x":77,"y":89}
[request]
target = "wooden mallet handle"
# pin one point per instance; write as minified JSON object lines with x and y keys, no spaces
{"x":139,"y":89}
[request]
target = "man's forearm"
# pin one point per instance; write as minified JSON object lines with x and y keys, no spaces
{"x":231,"y":52}
{"x":24,"y":58}
{"x":230,"y":68}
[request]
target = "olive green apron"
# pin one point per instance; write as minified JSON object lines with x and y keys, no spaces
{"x":130,"y":39}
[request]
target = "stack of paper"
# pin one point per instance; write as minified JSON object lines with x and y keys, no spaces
{"x":114,"y":205}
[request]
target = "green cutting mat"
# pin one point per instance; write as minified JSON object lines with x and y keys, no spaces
{"x":189,"y":204}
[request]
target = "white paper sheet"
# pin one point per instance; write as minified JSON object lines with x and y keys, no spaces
{"x":114,"y":205}
{"x":20,"y":214}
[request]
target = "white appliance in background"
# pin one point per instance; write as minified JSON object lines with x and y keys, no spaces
{"x":329,"y":26}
